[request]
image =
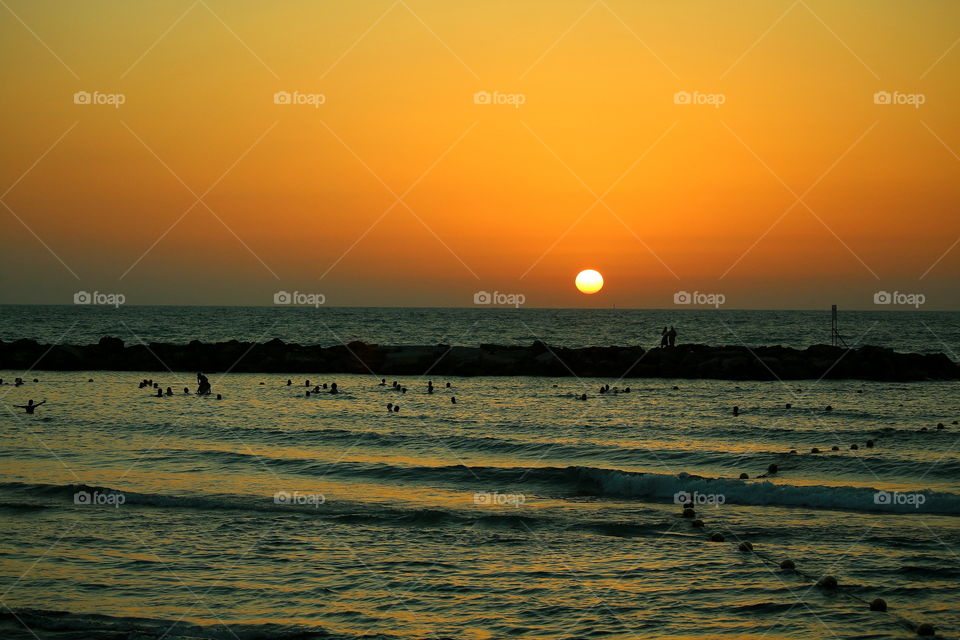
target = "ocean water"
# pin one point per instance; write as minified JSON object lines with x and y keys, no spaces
{"x":904,"y":330}
{"x":518,"y":512}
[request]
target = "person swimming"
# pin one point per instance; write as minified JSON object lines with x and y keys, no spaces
{"x":30,"y":406}
{"x":169,"y":391}
{"x":203,"y":385}
{"x":389,"y":406}
{"x":383,"y":382}
{"x":333,"y":388}
{"x":453,"y":399}
{"x":159,"y":393}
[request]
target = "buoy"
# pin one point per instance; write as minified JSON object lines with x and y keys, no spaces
{"x":789,"y":406}
{"x":869,"y":444}
{"x":697,"y":523}
{"x":716,"y":537}
{"x":827,"y":582}
{"x":746,"y":547}
{"x":773,"y":468}
{"x":814,"y":450}
{"x":787,"y":564}
{"x":676,"y":388}
{"x":954,"y":422}
{"x":689,"y":513}
{"x":793,"y":450}
{"x":878,"y":604}
{"x":855,"y":446}
{"x":939,"y":425}
{"x":926,"y":629}
{"x":828,"y":408}
{"x":744,"y":476}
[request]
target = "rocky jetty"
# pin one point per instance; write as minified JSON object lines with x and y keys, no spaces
{"x":538,"y":359}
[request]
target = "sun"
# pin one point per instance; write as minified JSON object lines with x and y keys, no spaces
{"x":589,"y":281}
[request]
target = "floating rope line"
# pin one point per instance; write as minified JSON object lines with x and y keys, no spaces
{"x":824,"y":582}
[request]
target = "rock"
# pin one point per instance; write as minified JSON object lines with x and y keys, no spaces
{"x":684,"y":361}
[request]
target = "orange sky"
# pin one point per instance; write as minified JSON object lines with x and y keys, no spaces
{"x":500,"y":198}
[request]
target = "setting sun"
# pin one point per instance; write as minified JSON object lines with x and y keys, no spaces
{"x":589,"y":281}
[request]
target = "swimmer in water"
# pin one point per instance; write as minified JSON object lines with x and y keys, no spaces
{"x":333,"y":388}
{"x":30,"y":406}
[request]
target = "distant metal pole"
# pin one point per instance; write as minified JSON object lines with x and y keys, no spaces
{"x":835,"y":338}
{"x":833,"y":325}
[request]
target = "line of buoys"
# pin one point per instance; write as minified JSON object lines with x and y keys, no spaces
{"x":826,"y":581}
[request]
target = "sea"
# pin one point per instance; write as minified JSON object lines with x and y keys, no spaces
{"x":517,"y":511}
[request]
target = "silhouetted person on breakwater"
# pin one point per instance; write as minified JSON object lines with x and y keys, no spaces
{"x":672,"y":336}
{"x":664,"y":340}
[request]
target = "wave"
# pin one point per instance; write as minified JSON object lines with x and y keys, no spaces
{"x":555,"y":482}
{"x":825,"y":463}
{"x":64,"y":625}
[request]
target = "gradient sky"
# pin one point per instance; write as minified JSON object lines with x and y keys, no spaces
{"x":494,"y":197}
